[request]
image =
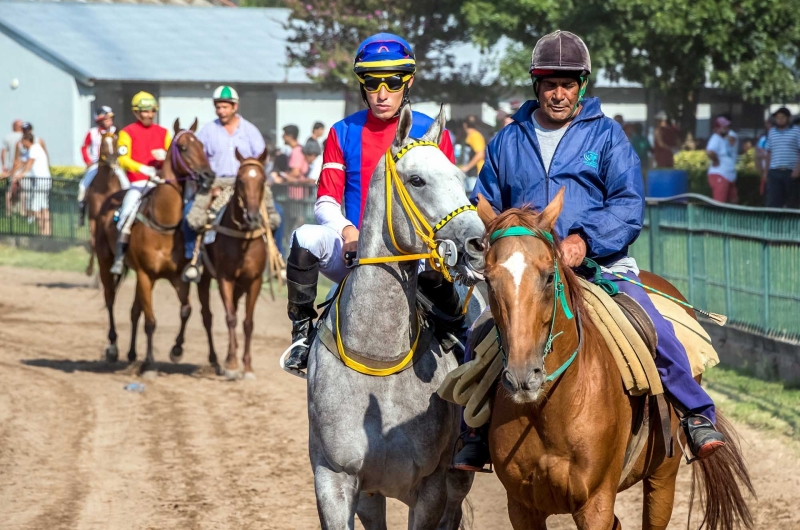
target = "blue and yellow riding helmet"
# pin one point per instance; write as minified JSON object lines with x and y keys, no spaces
{"x":386,"y":60}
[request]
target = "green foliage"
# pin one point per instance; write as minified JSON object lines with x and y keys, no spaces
{"x":326,"y":34}
{"x":262,"y":3}
{"x":73,"y":259}
{"x":67,"y":172}
{"x":747,"y":47}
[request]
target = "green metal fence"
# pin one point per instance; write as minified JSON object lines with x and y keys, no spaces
{"x":20,"y":204}
{"x":742,"y":262}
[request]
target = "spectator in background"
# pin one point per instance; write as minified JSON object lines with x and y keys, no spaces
{"x":298,"y":164}
{"x":316,"y":135}
{"x":475,"y":144}
{"x":782,"y":176}
{"x":761,"y":151}
{"x":723,"y":150}
{"x":640,"y":144}
{"x":10,"y":142}
{"x":38,"y":191}
{"x":667,"y":141}
{"x":619,"y":119}
{"x":21,"y":157}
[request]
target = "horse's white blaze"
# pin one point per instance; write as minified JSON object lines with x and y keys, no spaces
{"x":515,"y":264}
{"x":252,"y":173}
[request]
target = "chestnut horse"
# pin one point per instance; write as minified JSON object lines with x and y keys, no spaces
{"x":558,"y":442}
{"x":105,"y":183}
{"x":156,"y":249}
{"x":237,"y":258}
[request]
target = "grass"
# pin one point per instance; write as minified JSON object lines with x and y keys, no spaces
{"x":764,"y":405}
{"x":73,"y":259}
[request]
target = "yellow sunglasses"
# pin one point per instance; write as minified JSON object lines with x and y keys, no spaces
{"x":392,"y":82}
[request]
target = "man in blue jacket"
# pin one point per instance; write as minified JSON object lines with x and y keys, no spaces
{"x":562,"y":139}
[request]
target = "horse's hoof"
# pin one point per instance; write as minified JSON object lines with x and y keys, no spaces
{"x":232,"y":375}
{"x":175,"y":354}
{"x":249,"y":376}
{"x":150,"y":374}
{"x":112,"y":353}
{"x":131,"y":356}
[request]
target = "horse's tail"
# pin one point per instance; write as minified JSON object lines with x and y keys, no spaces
{"x":721,"y":478}
{"x":90,"y":266}
{"x":121,"y":277}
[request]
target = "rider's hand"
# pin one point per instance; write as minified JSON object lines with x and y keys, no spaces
{"x":148,"y":171}
{"x":159,"y":154}
{"x":350,"y":236}
{"x":573,"y":250}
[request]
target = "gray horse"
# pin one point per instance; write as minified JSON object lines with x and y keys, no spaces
{"x":376,"y":437}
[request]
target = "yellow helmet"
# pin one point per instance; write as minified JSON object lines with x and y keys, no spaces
{"x":144,"y":101}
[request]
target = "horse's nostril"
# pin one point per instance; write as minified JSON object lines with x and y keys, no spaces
{"x":475,"y":245}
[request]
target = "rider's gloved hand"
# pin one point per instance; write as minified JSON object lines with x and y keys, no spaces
{"x":150,"y":171}
{"x":350,"y":236}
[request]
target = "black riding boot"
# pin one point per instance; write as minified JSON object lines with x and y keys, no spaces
{"x":81,"y":212}
{"x":474,"y":454}
{"x":447,"y":309}
{"x":302,"y":271}
{"x":701,"y":434}
{"x":119,"y":258}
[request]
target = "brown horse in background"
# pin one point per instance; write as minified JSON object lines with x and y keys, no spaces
{"x":156,"y":249}
{"x":559,"y":446}
{"x":105,"y":183}
{"x":237,"y":259}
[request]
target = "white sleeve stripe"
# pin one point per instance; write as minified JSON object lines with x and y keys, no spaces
{"x":333,"y":165}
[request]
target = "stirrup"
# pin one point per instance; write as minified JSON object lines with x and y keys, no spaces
{"x":299,"y":373}
{"x":685,"y":445}
{"x":196,"y":273}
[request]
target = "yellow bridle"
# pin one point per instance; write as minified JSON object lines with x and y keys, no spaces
{"x":425,"y":232}
{"x":421,"y":226}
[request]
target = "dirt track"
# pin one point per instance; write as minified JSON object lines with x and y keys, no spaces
{"x":196,"y":451}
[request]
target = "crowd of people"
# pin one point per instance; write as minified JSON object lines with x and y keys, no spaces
{"x":24,"y":154}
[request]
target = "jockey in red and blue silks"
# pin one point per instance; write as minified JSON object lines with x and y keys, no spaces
{"x":385,"y":67}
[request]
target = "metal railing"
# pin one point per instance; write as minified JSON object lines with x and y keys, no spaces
{"x":54,"y":200}
{"x":740,"y":261}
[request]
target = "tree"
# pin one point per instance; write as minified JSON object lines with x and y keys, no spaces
{"x":326,"y":34}
{"x":746,"y":47}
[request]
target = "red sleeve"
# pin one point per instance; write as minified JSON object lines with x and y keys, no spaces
{"x":446,"y":145}
{"x":85,"y":149}
{"x":331,"y":180}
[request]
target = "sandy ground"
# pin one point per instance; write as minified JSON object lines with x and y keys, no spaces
{"x":196,"y":451}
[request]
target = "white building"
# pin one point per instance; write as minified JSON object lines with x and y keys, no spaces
{"x":59,"y":61}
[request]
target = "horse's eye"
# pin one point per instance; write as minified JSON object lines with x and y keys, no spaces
{"x":550,"y":278}
{"x":416,"y":181}
{"x":182,"y":148}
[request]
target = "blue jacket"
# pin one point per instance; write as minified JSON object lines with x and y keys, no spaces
{"x":604,"y":196}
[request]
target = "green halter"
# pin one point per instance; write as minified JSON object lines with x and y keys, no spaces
{"x":559,"y":296}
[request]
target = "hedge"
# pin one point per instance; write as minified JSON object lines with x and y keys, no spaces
{"x":67,"y":172}
{"x":748,"y":181}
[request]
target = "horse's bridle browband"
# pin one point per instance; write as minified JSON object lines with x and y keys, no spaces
{"x":559,"y":296}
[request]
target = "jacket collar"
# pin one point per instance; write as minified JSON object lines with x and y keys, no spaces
{"x":590,"y":110}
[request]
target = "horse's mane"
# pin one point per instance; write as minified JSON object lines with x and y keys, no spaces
{"x":529,"y":218}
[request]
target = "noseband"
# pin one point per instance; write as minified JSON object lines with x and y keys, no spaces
{"x":558,"y":296}
{"x":441,"y":254}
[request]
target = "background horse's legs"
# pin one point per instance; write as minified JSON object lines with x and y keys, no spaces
{"x":226,"y":288}
{"x":431,"y":501}
{"x":203,"y":291}
{"x":250,"y":307}
{"x":371,"y":511}
{"x":110,"y":294}
{"x":598,"y":512}
{"x":144,"y":292}
{"x":136,"y":311}
{"x":92,"y":247}
{"x":458,"y":486}
{"x":524,"y":519}
{"x":337,"y":495}
{"x":182,"y":288}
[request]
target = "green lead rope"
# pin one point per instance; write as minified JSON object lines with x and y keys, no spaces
{"x":612,"y":289}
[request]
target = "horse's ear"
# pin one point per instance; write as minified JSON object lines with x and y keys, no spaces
{"x":193,"y":128}
{"x":550,"y":214}
{"x":403,"y":127}
{"x":485,"y":210}
{"x":437,"y":128}
{"x":177,"y":126}
{"x":239,"y":156}
{"x":263,"y":156}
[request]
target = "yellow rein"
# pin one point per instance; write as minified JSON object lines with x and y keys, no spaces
{"x":426,"y":233}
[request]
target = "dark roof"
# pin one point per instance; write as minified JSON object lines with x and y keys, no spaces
{"x":134,"y":42}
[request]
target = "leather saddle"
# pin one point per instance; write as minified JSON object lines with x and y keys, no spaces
{"x":639,"y":319}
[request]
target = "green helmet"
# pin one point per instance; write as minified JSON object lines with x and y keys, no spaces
{"x":226,"y":93}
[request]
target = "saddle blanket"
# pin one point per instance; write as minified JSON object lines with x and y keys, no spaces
{"x":471,"y":384}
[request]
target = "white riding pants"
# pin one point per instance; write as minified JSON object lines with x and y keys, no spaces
{"x":130,"y":205}
{"x":86,"y":181}
{"x":326,"y":245}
